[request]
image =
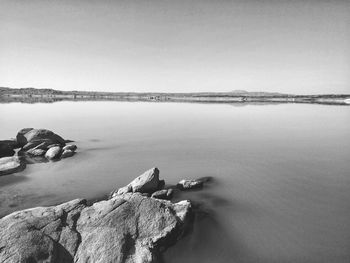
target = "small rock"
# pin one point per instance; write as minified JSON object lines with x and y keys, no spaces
{"x":30,"y":145}
{"x":71,"y":147}
{"x":52,"y":145}
{"x":9,"y":165}
{"x":166,"y":194}
{"x":189,"y":184}
{"x":147,"y":182}
{"x":36,"y":152}
{"x":53,"y":152}
{"x":67,"y":153}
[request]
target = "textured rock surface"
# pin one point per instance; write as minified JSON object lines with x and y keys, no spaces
{"x":126,"y":228}
{"x":10,"y":165}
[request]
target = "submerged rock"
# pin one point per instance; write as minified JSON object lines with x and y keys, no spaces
{"x":189,"y":184}
{"x":126,"y":228}
{"x":53,"y":153}
{"x":9,"y":165}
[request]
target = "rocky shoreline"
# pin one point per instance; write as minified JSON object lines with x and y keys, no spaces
{"x":133,"y":225}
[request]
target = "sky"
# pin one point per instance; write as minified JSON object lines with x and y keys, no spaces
{"x":295,"y":46}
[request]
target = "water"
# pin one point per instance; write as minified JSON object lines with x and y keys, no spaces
{"x":281,"y":183}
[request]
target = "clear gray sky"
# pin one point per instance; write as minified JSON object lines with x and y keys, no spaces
{"x":176,"y":46}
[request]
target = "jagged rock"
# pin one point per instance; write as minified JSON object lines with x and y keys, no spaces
{"x":67,"y":153}
{"x":70,"y":147}
{"x":128,"y":228}
{"x":166,"y":194}
{"x":53,"y":152}
{"x":189,"y":184}
{"x":6,"y":148}
{"x":9,"y":165}
{"x":148,"y":182}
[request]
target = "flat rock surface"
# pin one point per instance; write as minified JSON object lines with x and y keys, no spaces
{"x":126,"y":228}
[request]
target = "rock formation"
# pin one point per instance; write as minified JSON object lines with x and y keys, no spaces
{"x":36,"y":145}
{"x":128,"y":227}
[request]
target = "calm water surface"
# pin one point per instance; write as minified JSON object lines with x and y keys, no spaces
{"x":281,"y":182}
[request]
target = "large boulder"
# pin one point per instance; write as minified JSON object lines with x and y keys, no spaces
{"x":9,"y":165}
{"x":128,"y":228}
{"x":30,"y":135}
{"x":7,"y":148}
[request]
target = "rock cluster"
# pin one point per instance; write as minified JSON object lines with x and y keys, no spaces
{"x":35,"y":145}
{"x":128,"y":227}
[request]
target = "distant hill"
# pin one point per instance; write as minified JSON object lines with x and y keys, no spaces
{"x":33,"y":95}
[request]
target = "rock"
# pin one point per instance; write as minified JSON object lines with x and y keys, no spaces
{"x":67,"y":153}
{"x":30,"y":145}
{"x":71,"y":147}
{"x":30,"y":135}
{"x":189,"y":184}
{"x":124,"y":190}
{"x":6,"y":148}
{"x":53,"y":152}
{"x":36,"y":152}
{"x":52,"y":145}
{"x":128,"y":228}
{"x":147,"y":182}
{"x":9,"y":165}
{"x":161,"y":184}
{"x":166,"y":194}
{"x":21,"y":140}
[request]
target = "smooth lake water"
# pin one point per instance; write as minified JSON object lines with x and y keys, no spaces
{"x":281,"y":173}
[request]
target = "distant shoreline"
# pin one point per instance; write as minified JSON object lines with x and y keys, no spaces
{"x":32,"y":95}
